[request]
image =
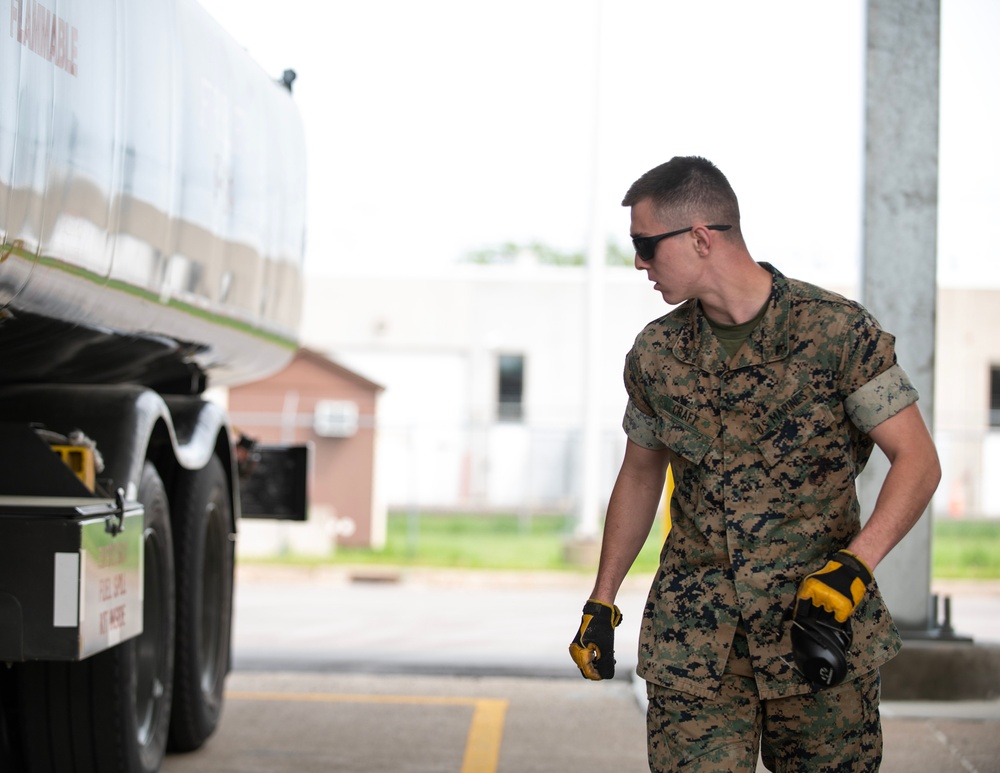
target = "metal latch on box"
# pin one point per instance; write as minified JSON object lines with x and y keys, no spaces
{"x":114,"y":522}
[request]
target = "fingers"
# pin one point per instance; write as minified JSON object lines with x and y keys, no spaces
{"x":825,"y":597}
{"x":586,"y":659}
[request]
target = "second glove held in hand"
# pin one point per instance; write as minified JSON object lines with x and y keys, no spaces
{"x":821,"y":625}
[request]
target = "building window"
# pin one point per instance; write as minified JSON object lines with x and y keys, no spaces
{"x":510,"y":387}
{"x":995,"y":396}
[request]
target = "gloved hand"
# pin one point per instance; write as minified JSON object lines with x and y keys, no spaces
{"x":593,"y":649}
{"x":837,"y":588}
{"x":821,"y":627}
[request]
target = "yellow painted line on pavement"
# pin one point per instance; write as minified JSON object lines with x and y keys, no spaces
{"x":482,"y":745}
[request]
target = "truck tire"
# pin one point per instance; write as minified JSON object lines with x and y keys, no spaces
{"x":111,"y":712}
{"x":204,"y":559}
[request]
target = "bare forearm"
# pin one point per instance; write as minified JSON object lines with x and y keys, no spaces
{"x":902,"y":500}
{"x":913,"y":476}
{"x":631,"y":511}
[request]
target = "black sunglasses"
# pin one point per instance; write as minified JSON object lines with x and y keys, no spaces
{"x":645,"y":246}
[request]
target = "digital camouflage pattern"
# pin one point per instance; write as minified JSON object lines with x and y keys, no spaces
{"x":832,"y":731}
{"x":765,"y":449}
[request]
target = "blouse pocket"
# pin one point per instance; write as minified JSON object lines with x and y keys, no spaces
{"x":801,"y":425}
{"x":686,"y":433}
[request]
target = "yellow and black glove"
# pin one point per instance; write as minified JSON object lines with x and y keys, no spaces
{"x":837,"y":588}
{"x":593,"y":649}
{"x":821,"y":625}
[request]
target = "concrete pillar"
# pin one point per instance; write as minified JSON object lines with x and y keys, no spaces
{"x":899,"y":264}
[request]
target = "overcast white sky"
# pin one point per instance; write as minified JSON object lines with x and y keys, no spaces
{"x":446,"y":126}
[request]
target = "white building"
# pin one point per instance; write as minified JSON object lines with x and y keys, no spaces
{"x":484,"y":369}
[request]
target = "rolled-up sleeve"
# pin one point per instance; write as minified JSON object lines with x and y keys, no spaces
{"x":641,"y":428}
{"x":881,"y":398}
{"x":640,"y":422}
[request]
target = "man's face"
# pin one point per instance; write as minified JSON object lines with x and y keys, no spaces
{"x":674,"y":267}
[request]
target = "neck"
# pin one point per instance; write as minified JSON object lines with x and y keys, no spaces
{"x":739,"y":296}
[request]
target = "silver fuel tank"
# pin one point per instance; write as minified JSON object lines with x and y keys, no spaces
{"x":152,"y":199}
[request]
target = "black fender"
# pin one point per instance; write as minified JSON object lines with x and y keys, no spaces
{"x":130,"y":423}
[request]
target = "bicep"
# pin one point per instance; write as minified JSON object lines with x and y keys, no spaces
{"x":903,"y":432}
{"x":644,"y":469}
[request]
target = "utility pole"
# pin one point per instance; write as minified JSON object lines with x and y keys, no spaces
{"x":588,"y":514}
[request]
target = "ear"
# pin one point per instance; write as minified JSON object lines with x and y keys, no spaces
{"x":702,"y":240}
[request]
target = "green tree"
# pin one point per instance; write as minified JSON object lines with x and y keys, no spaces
{"x":508,"y":252}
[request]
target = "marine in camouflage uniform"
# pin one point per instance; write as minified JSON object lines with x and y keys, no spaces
{"x":765,"y":448}
{"x":765,"y":443}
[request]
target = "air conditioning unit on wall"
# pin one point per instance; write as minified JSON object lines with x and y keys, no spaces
{"x":335,"y":418}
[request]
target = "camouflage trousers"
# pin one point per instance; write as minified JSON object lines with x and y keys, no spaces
{"x":832,"y":730}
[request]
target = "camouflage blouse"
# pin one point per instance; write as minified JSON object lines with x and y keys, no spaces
{"x":765,"y":448}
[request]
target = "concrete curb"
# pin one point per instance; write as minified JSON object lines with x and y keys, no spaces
{"x":942,"y":671}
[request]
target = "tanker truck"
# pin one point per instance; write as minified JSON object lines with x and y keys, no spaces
{"x":152,"y":221}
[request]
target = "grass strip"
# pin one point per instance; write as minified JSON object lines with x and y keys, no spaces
{"x":962,"y":549}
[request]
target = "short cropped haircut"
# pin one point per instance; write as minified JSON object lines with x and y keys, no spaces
{"x":691,"y":185}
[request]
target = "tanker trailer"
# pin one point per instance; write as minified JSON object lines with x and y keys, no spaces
{"x":152,"y":219}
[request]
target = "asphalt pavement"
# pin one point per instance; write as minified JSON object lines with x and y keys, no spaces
{"x":414,"y":670}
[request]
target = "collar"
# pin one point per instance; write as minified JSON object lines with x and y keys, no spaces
{"x":697,"y":345}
